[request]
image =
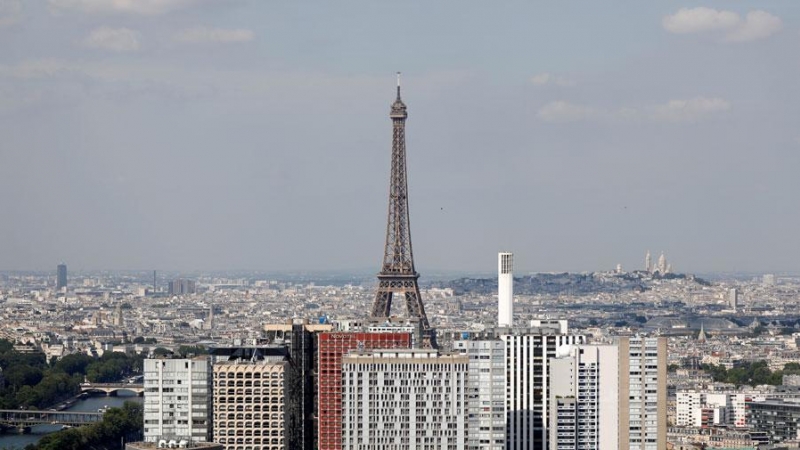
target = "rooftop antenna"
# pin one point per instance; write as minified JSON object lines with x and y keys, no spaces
{"x":398,"y":85}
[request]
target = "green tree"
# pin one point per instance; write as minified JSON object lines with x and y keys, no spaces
{"x":72,"y":364}
{"x":22,"y":375}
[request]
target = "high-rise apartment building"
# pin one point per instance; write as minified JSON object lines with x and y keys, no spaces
{"x":177,"y":399}
{"x":733,"y":299}
{"x":643,"y":393}
{"x":486,"y":393}
{"x":61,"y":276}
{"x":250,"y":399}
{"x":182,"y":287}
{"x":505,"y":289}
{"x":584,"y":400}
{"x":404,"y":399}
{"x":331,"y":349}
{"x":527,"y":354}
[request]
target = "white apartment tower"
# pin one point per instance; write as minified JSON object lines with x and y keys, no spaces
{"x":404,"y":399}
{"x":584,"y":399}
{"x":643,"y":393}
{"x":505,"y":289}
{"x":486,"y":393}
{"x":527,"y":355}
{"x":177,"y":399}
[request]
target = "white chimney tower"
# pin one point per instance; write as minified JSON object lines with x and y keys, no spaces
{"x":505,"y":289}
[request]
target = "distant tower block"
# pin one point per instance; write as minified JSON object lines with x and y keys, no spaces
{"x":210,"y":322}
{"x":61,"y":276}
{"x":733,"y":298}
{"x":505,"y":289}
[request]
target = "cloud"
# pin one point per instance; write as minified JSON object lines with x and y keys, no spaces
{"x":10,"y":12}
{"x":200,"y":35}
{"x":681,"y":110}
{"x":695,"y":20}
{"x":140,"y":7}
{"x":561,"y":111}
{"x":756,"y":24}
{"x":114,"y":39}
{"x":690,"y":110}
{"x":546,"y":78}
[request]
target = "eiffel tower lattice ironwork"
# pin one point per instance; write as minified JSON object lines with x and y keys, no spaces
{"x":398,"y":275}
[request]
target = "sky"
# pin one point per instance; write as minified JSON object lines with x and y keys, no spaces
{"x":254,"y":134}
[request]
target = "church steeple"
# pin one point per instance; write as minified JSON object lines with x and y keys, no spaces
{"x":702,"y":336}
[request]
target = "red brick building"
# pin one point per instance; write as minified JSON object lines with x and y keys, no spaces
{"x":332,"y":346}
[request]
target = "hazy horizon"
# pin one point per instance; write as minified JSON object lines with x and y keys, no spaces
{"x":230,"y":134}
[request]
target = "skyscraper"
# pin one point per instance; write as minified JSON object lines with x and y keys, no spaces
{"x":733,"y":298}
{"x":61,"y":276}
{"x":584,"y":399}
{"x":643,"y":392}
{"x":505,"y":289}
{"x":528,"y":351}
{"x":182,"y":287}
{"x":486,"y":393}
{"x":398,"y":275}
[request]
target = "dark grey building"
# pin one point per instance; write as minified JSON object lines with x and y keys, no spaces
{"x":777,"y":418}
{"x":61,"y":276}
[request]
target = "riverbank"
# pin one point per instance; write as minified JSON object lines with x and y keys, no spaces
{"x":13,"y":441}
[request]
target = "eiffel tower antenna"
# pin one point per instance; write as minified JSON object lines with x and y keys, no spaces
{"x":397,"y":275}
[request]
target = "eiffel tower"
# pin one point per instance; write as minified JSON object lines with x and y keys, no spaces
{"x":397,"y":275}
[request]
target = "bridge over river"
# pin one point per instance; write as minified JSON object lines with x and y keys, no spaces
{"x":112,"y":388}
{"x":22,"y":418}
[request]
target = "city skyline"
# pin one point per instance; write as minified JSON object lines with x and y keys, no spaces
{"x":202,"y":135}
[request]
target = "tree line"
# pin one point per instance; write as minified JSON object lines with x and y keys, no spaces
{"x":32,"y":382}
{"x":751,"y":373}
{"x":117,"y":425}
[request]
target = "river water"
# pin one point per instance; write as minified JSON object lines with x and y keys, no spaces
{"x":92,"y":404}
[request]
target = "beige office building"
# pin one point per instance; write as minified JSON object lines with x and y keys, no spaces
{"x":249,"y":402}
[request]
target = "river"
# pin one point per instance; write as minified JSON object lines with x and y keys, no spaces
{"x":19,"y":441}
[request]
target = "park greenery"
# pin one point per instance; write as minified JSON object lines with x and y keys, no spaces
{"x":32,"y":382}
{"x":118,"y":425}
{"x":751,"y":373}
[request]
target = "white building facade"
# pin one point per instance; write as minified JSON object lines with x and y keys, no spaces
{"x":404,"y":399}
{"x":177,"y":399}
{"x":692,"y":408}
{"x":584,"y":398}
{"x":527,"y":355}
